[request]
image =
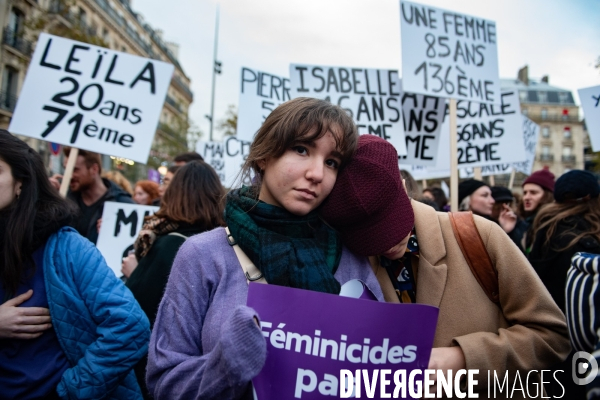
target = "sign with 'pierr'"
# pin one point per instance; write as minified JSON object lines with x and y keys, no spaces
{"x":260,"y":93}
{"x":447,"y":54}
{"x":121,"y":224}
{"x":91,"y":98}
{"x":370,"y":96}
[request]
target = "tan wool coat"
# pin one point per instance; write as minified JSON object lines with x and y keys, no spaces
{"x":527,"y":332}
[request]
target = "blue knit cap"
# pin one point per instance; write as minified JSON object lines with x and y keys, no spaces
{"x":576,"y":185}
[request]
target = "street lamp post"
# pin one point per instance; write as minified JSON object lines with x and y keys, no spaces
{"x":216,"y":70}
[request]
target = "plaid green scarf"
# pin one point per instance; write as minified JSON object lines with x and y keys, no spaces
{"x":300,"y":252}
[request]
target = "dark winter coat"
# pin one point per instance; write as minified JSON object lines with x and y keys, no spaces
{"x":86,"y":226}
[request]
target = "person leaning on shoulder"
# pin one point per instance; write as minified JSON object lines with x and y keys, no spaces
{"x":416,"y":257}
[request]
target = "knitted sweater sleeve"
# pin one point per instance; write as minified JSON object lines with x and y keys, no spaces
{"x":179,"y":365}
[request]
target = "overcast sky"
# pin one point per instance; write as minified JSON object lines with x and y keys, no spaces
{"x":556,"y":38}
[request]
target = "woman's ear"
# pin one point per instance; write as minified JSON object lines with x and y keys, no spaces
{"x":262,"y":164}
{"x":18,"y":188}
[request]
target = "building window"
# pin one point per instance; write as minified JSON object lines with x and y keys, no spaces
{"x":546,"y":150}
{"x":567,"y":151}
{"x":544,"y":113}
{"x":82,"y":17}
{"x":523,"y":96}
{"x":543,"y":96}
{"x":15,"y":21}
{"x":105,"y":35}
{"x":8,"y":95}
{"x":545,"y":132}
{"x":567,"y":132}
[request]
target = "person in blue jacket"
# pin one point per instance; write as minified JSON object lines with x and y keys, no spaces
{"x":69,"y":328}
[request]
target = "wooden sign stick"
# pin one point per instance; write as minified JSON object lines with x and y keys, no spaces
{"x":453,"y":158}
{"x":64,"y":186}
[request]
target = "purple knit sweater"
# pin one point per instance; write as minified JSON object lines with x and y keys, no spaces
{"x":205,"y":343}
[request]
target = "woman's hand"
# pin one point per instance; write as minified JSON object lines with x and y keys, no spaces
{"x":507,"y":219}
{"x":445,"y":358}
{"x":23,"y":322}
{"x":129,"y":264}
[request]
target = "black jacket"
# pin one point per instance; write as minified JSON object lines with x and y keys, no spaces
{"x":552,"y":265}
{"x":86,"y":223}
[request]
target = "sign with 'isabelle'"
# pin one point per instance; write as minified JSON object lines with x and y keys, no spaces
{"x":370,"y":96}
{"x":91,"y":98}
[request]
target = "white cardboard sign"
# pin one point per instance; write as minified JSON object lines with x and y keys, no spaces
{"x":530,"y":136}
{"x":490,"y":134}
{"x":121,"y":224}
{"x":422,"y":117}
{"x":590,"y":102}
{"x":214,"y":155}
{"x":228,"y":156}
{"x":260,"y":93}
{"x":441,"y":169}
{"x":370,"y":96}
{"x":531,"y":132}
{"x":448,"y":54}
{"x":92,"y":98}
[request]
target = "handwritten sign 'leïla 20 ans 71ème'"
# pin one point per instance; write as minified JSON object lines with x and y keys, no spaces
{"x":91,"y":98}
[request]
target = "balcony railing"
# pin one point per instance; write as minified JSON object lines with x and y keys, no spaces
{"x":553,"y":118}
{"x":568,"y":158}
{"x":546,"y":157}
{"x":173,"y":103}
{"x":12,"y":39}
{"x":8,"y":101}
{"x":183,"y":86}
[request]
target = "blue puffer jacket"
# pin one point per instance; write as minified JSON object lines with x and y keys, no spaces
{"x":99,"y":324}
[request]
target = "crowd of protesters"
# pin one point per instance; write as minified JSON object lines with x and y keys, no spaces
{"x":325,"y":206}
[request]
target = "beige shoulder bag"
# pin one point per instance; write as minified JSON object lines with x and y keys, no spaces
{"x":252,"y":273}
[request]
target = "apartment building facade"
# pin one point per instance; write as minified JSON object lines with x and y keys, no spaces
{"x":563,"y":137}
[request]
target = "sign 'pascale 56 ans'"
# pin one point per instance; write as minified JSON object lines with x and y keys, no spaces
{"x":92,"y":98}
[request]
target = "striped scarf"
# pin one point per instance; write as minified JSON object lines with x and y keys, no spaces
{"x":290,"y":250}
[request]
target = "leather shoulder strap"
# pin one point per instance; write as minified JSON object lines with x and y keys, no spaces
{"x":475,"y":253}
{"x":252,"y":273}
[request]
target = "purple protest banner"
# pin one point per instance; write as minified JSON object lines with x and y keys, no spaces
{"x":154,"y":175}
{"x":311,"y":337}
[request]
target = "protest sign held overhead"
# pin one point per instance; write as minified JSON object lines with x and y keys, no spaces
{"x":121,"y":224}
{"x":490,"y":134}
{"x":590,"y":102}
{"x":530,"y":136}
{"x":531,"y":132}
{"x":92,"y":98}
{"x":227,"y":157}
{"x":448,"y":54}
{"x":214,"y":155}
{"x":370,"y":96}
{"x":422,"y":117}
{"x":313,"y":337}
{"x":260,"y":93}
{"x":499,"y":169}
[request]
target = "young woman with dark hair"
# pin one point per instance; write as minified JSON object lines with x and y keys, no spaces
{"x":193,"y":203}
{"x":68,"y":327}
{"x":206,"y":342}
{"x":569,"y":225}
